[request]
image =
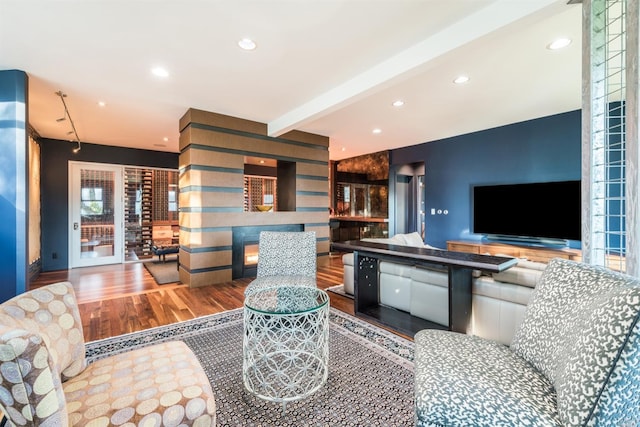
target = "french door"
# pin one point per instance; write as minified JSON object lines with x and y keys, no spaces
{"x":95,"y":214}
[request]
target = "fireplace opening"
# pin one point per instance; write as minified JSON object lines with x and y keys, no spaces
{"x":245,"y":240}
{"x":250,"y":255}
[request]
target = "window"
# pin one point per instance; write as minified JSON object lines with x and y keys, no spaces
{"x":91,"y":201}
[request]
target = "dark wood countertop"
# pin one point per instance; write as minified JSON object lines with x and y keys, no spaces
{"x":489,"y":263}
{"x":359,"y":219}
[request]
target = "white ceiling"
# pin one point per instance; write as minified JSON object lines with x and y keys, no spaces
{"x":331,"y":67}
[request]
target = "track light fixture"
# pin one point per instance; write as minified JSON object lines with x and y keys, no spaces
{"x":73,"y":131}
{"x":75,"y":150}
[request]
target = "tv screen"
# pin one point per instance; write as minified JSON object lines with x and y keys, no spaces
{"x":542,"y":210}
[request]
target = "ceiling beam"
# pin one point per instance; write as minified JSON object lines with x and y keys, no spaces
{"x":481,"y":23}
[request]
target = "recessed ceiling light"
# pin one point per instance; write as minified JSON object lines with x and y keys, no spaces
{"x":398,"y":103}
{"x":344,"y":149}
{"x":165,"y":139}
{"x":461,"y":80}
{"x":262,"y":162}
{"x":102,"y":103}
{"x":559,"y":43}
{"x":160,"y":72}
{"x":247,"y":44}
{"x":377,"y":131}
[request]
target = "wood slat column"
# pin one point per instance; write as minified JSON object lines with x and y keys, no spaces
{"x":213,"y":148}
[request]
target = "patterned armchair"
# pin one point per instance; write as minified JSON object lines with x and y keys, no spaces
{"x":574,"y":361}
{"x":285,"y":258}
{"x":46,"y":381}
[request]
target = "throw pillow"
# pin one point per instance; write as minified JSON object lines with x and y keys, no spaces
{"x":398,"y":239}
{"x":414,"y":239}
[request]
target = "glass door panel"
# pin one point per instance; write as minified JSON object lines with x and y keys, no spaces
{"x":96,"y":214}
{"x":360,"y":205}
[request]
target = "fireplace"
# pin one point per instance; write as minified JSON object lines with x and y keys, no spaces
{"x":244,"y":247}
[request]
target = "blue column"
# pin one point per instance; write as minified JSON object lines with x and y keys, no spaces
{"x":14,"y":181}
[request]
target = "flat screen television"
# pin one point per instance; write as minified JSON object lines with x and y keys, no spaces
{"x":532,"y":211}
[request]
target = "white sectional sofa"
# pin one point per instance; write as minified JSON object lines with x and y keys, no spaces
{"x":498,"y":300}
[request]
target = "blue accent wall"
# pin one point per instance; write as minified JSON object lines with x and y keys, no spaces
{"x":13,"y":183}
{"x":54,"y":186}
{"x":544,"y":149}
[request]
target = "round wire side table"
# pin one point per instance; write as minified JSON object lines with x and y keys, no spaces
{"x":286,"y":342}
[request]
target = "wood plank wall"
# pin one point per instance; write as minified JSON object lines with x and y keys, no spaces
{"x":212,"y":151}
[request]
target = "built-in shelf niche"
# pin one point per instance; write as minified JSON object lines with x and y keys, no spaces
{"x":269,"y":182}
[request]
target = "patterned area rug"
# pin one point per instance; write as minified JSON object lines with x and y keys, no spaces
{"x":370,"y":373}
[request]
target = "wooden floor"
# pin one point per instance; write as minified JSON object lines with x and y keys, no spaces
{"x":122,"y":298}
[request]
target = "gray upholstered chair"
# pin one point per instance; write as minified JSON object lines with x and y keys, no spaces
{"x":574,"y":361}
{"x":285,"y":258}
{"x":46,"y":381}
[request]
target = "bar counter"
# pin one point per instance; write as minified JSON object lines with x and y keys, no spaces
{"x":460,"y":265}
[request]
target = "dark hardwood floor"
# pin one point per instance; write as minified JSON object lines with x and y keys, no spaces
{"x":121,"y":298}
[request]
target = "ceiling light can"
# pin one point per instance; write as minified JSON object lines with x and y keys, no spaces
{"x":160,"y":72}
{"x":247,"y":44}
{"x":559,"y":43}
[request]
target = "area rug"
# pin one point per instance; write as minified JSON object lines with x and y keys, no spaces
{"x":339,"y":289}
{"x":370,"y":373}
{"x":163,"y":272}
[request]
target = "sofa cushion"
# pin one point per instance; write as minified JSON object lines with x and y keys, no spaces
{"x":347,"y":259}
{"x":395,"y":285}
{"x":435,"y":276}
{"x":163,"y":384}
{"x":466,"y":380}
{"x":519,"y":275}
{"x":488,"y":287}
{"x":401,"y":270}
{"x":576,"y":328}
{"x":430,"y":302}
{"x":496,"y":319}
{"x":533,"y":265}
